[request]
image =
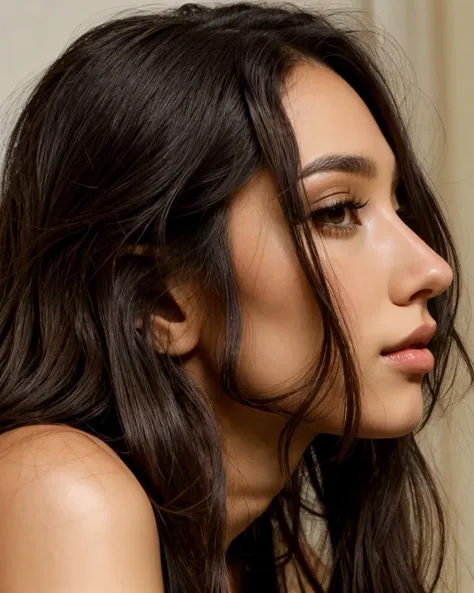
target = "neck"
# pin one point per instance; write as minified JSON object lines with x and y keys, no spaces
{"x":250,"y":440}
{"x":254,"y":475}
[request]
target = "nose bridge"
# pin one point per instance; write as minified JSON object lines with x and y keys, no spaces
{"x":417,"y":268}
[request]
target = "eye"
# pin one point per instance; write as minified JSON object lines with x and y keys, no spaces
{"x":340,"y":216}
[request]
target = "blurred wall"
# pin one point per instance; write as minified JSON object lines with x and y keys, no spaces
{"x":437,"y":38}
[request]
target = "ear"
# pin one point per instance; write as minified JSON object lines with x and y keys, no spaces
{"x":175,"y":325}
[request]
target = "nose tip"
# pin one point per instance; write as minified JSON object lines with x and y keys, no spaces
{"x":440,"y":277}
{"x":421,"y":274}
{"x":434,"y":282}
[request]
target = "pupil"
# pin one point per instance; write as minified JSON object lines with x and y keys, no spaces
{"x":337,"y":214}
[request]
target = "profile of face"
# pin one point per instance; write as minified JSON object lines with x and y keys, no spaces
{"x":383,"y":274}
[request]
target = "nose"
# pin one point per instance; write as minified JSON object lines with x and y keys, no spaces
{"x":418,"y":273}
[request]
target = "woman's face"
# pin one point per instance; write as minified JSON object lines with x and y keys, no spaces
{"x":383,"y":274}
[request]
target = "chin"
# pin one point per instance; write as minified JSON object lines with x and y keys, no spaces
{"x":392,"y":415}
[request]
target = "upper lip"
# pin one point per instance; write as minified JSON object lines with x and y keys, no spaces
{"x":419,"y":338}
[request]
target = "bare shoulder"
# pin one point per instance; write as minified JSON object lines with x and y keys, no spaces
{"x":72,"y":517}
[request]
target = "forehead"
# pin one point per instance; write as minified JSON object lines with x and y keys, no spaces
{"x":328,"y":116}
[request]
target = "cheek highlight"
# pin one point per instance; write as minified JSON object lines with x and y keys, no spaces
{"x":281,"y":321}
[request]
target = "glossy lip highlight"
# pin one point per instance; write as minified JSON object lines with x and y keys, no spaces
{"x":411,"y":355}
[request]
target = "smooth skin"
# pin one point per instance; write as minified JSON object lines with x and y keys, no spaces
{"x":72,"y":516}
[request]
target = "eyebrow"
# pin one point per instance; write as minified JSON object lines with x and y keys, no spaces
{"x":346,"y":163}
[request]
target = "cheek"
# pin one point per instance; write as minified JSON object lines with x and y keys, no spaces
{"x":358,"y":286}
{"x":281,"y":324}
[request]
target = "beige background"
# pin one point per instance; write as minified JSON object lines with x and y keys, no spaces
{"x":436,"y":36}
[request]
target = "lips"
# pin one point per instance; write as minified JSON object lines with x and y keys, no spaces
{"x":417,"y":340}
{"x":410,"y":355}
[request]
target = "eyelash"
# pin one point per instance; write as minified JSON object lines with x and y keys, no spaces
{"x":351,"y":203}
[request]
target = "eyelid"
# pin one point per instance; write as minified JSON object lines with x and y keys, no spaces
{"x":353,"y":204}
{"x":330,"y":182}
{"x":336,"y":193}
{"x":339,"y":198}
{"x":338,"y":182}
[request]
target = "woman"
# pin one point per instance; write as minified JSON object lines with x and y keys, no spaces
{"x":221,"y":269}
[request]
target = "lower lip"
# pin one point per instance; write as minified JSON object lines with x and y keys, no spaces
{"x":411,"y":360}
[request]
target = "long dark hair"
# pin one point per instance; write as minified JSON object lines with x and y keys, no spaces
{"x":140,"y":133}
